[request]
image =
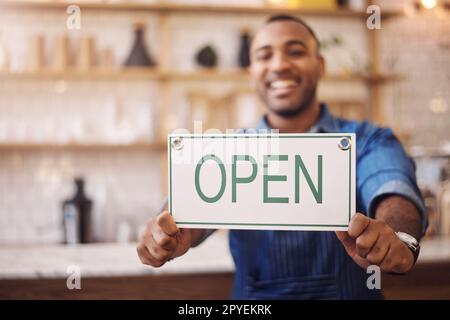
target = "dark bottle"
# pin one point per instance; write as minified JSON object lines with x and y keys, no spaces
{"x":342,"y":4}
{"x":207,"y":57}
{"x":244,"y":49}
{"x":139,"y":56}
{"x":77,"y":216}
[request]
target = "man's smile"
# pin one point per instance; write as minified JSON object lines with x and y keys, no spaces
{"x":282,"y":87}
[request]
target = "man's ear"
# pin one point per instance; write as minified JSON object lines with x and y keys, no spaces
{"x":321,"y":65}
{"x":252,"y":81}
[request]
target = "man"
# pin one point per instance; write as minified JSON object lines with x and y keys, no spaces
{"x":286,"y":67}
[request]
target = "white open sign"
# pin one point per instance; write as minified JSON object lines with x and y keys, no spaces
{"x":262,"y":181}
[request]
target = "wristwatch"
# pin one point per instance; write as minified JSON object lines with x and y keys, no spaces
{"x":411,"y":242}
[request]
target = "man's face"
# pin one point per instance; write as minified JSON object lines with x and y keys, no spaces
{"x":285,"y":67}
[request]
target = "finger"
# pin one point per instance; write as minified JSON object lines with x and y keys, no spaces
{"x":346,"y":240}
{"x":378,"y":252}
{"x":146,"y":257}
{"x":167,"y":224}
{"x":164,"y":241}
{"x":157,"y":252}
{"x":350,"y":246}
{"x":357,"y":225}
{"x":387,"y":263}
{"x":366,"y":241}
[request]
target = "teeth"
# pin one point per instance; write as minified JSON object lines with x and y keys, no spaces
{"x":281,"y":84}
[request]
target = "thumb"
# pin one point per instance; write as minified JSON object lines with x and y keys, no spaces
{"x":350,"y":246}
{"x":348,"y":242}
{"x":343,"y":237}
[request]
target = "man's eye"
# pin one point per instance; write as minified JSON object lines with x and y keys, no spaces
{"x":297,"y":53}
{"x":262,"y":57}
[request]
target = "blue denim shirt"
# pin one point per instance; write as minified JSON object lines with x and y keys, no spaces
{"x":315,"y":265}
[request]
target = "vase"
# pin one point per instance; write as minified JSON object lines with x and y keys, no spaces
{"x":139,"y":56}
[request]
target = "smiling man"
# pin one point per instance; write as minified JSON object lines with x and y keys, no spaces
{"x":286,"y":67}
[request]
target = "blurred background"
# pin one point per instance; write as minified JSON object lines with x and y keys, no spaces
{"x":89,"y":90}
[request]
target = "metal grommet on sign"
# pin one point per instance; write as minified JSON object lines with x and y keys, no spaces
{"x":177,"y":143}
{"x":345,"y":143}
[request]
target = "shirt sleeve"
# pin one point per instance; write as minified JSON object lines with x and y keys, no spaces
{"x":383,"y":168}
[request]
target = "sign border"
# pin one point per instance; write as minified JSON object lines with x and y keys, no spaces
{"x":258,"y":135}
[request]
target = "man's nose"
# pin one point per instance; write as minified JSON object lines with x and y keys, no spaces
{"x":279,"y":63}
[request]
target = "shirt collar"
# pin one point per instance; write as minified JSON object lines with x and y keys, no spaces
{"x":326,"y":123}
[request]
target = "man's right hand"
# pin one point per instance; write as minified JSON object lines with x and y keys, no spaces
{"x":163,"y":240}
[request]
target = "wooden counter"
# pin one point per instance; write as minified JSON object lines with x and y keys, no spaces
{"x":111,"y":271}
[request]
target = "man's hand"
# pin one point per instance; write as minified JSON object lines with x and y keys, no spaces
{"x":163,"y":240}
{"x":373,"y":242}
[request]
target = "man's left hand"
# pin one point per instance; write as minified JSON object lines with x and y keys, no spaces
{"x":373,"y":242}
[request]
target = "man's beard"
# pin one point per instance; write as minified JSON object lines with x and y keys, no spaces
{"x":302,"y":107}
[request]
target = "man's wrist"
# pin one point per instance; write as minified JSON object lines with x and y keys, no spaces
{"x":199,"y":235}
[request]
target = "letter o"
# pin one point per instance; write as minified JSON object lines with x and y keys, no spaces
{"x":197,"y":178}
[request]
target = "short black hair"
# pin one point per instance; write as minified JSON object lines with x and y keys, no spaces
{"x":285,"y":17}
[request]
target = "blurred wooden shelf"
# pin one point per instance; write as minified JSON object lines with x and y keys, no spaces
{"x":366,"y":77}
{"x":143,"y":146}
{"x":165,"y":7}
{"x":127,"y":74}
{"x":207,"y":75}
{"x":155,"y":74}
{"x":96,"y":74}
{"x":238,"y":75}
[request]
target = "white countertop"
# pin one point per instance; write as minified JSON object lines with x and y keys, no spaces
{"x":435,"y":250}
{"x":104,"y":260}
